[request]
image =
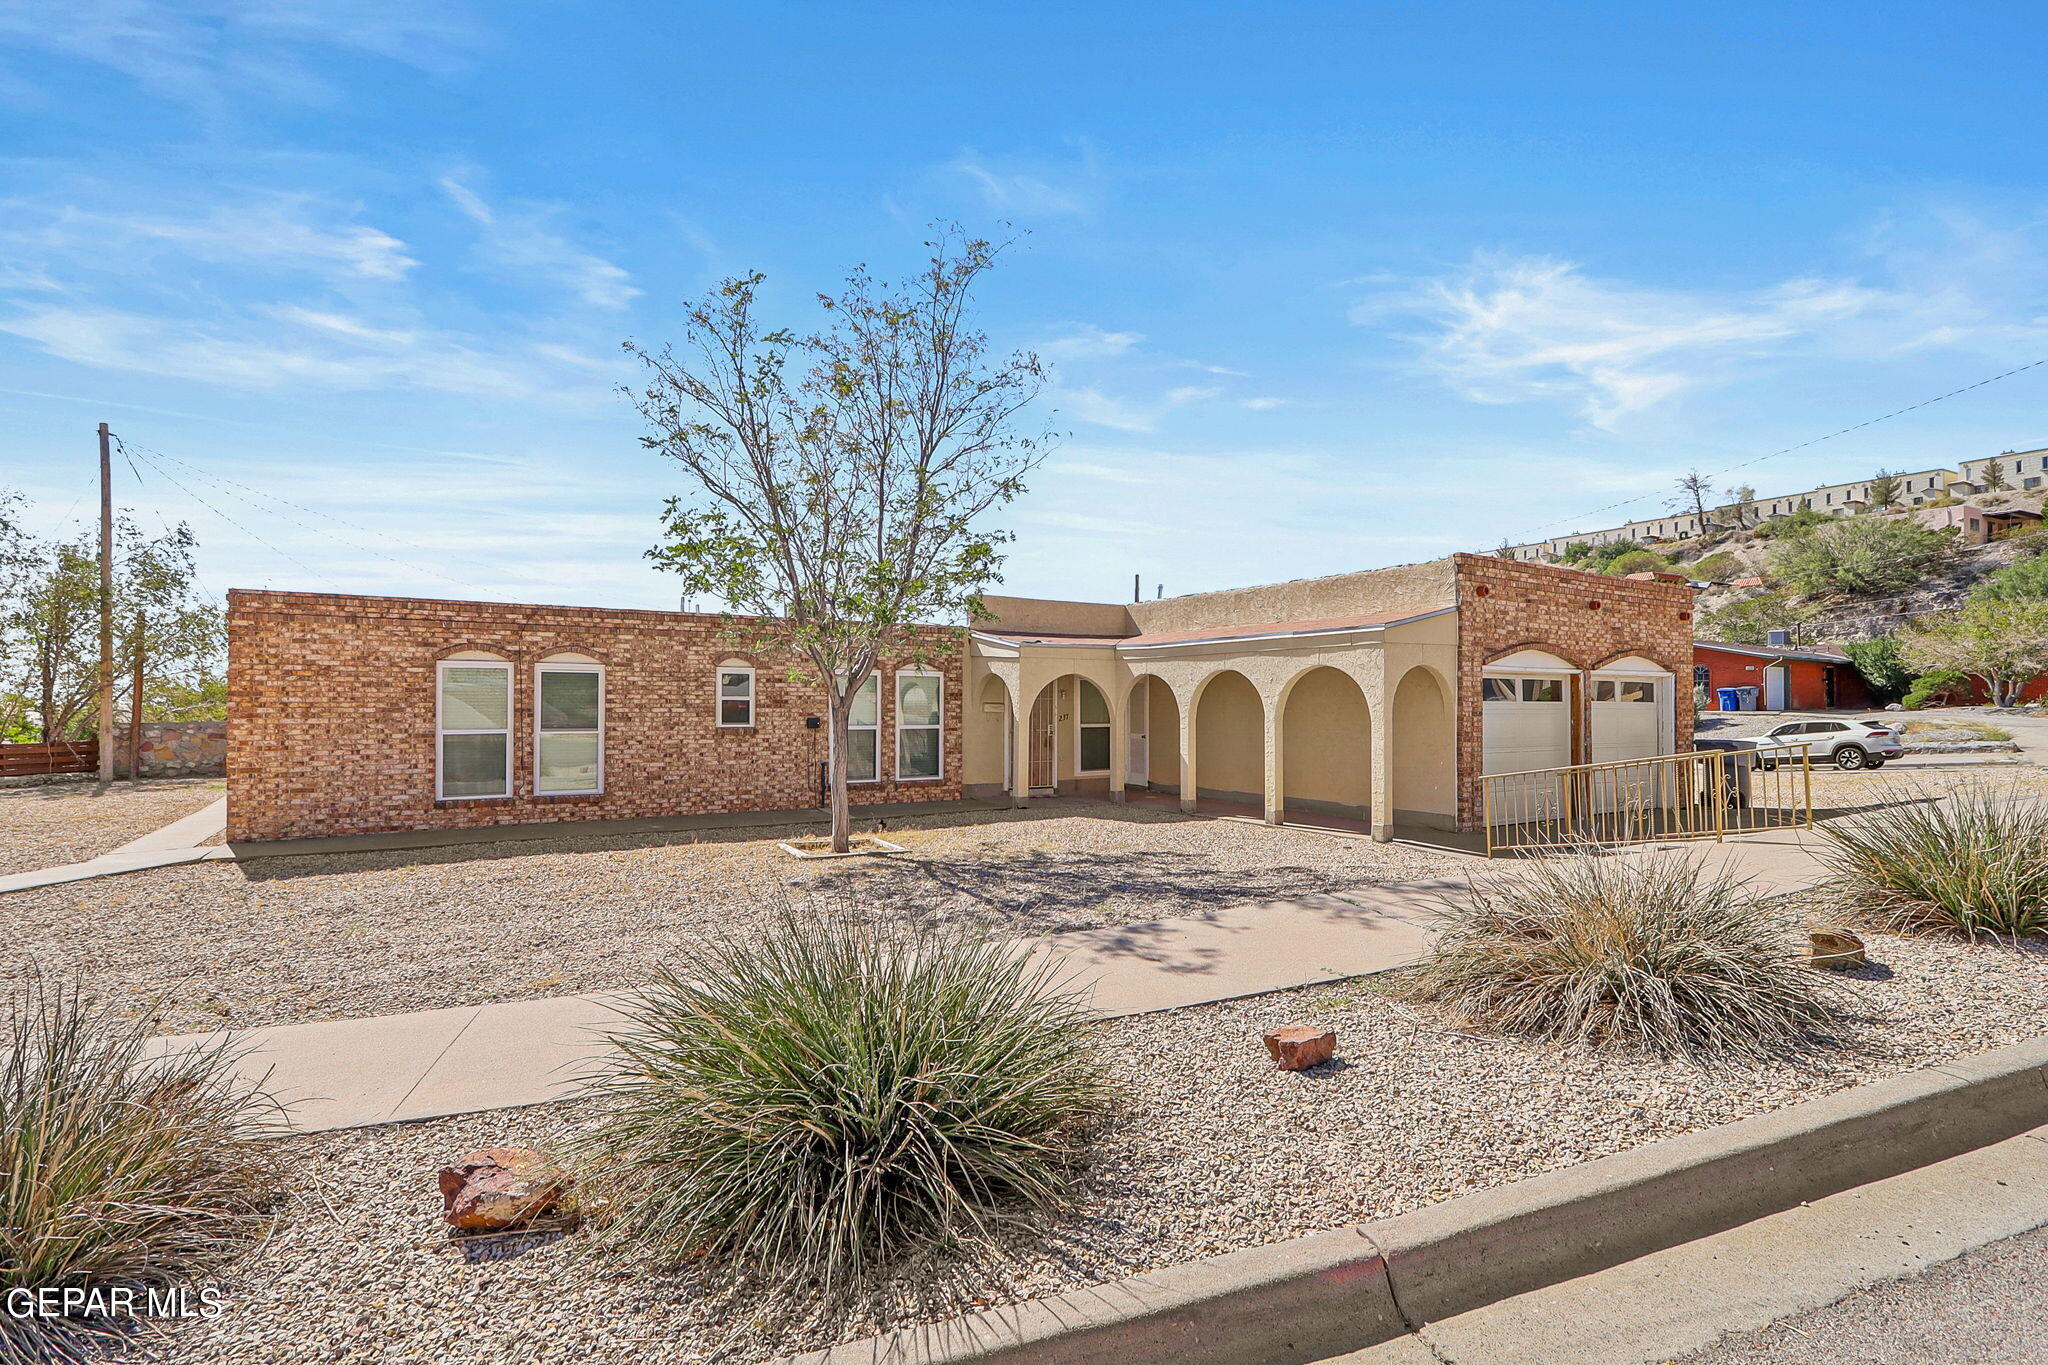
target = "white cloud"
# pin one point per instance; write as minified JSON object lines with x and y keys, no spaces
{"x":1119,"y":414}
{"x":196,"y":51}
{"x":523,"y":243}
{"x":1261,"y":404}
{"x":1085,"y":341}
{"x":1033,"y":188}
{"x":1513,"y":330}
{"x":293,"y":231}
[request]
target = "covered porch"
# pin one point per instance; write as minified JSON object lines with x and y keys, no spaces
{"x":1345,"y":722}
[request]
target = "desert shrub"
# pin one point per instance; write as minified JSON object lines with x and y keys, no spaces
{"x":1638,"y":561}
{"x":1626,"y":952}
{"x":1938,"y":687}
{"x":117,"y":1172}
{"x":2023,"y":580}
{"x":826,"y":1104}
{"x":1859,"y":555}
{"x":1973,"y":862}
{"x":1805,"y":519}
{"x":1719,"y":568}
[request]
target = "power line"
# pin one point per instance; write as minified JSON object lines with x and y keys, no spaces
{"x":236,"y":524}
{"x":228,"y":485}
{"x":129,"y":456}
{"x":1897,"y":412}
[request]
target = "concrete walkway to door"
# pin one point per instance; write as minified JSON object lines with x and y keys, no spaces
{"x":347,"y":1073}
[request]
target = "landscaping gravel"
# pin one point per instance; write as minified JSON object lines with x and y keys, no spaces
{"x":51,"y":824}
{"x":1214,"y":1150}
{"x":281,"y":940}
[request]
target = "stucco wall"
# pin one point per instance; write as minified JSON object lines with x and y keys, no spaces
{"x":1326,"y":743}
{"x":1230,"y":735}
{"x":1418,"y":587}
{"x":1029,"y":615}
{"x":1425,"y":752}
{"x":1162,"y":759}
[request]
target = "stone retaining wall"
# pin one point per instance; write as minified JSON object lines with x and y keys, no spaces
{"x":188,"y":748}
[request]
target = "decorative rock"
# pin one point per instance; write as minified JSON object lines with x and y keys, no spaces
{"x":1834,"y":948}
{"x":1298,"y":1047}
{"x":500,"y":1188}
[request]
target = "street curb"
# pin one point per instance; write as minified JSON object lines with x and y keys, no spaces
{"x":1313,"y":1297}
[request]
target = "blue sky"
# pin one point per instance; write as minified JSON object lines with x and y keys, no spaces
{"x":1323,"y":287}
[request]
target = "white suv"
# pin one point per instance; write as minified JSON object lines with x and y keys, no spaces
{"x":1846,"y":744}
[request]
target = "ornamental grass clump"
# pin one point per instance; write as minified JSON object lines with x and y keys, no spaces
{"x":119,"y":1174}
{"x":1972,"y":862}
{"x":829,"y":1106}
{"x":1642,"y":952}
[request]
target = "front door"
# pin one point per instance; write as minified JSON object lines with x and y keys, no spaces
{"x":1138,"y":749}
{"x":1042,"y":737}
{"x":1774,"y":688}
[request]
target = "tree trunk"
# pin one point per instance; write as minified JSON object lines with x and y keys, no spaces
{"x":836,"y":711}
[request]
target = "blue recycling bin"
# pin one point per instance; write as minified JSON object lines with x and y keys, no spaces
{"x":1730,"y":698}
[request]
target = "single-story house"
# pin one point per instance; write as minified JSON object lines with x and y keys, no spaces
{"x":1380,"y":696}
{"x":1786,"y":679}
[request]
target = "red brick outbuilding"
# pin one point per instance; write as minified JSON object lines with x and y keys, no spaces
{"x":1786,"y":678}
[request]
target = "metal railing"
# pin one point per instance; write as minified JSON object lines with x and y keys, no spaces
{"x":1709,"y":794}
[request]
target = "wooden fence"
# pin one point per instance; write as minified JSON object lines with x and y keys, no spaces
{"x":64,"y":756}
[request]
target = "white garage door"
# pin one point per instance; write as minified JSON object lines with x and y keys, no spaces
{"x":1528,"y":723}
{"x":1628,"y":718}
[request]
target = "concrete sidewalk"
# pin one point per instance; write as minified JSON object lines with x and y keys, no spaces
{"x":181,"y":841}
{"x":346,"y":1073}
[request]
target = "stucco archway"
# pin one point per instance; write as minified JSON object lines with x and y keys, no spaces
{"x":1230,"y":741}
{"x":1325,"y":746}
{"x":1070,"y":732}
{"x":1425,"y":752}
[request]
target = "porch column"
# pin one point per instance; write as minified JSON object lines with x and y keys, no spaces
{"x":1379,"y":723}
{"x":1276,"y":763}
{"x":1119,"y":740}
{"x":1187,"y":757}
{"x":1020,"y":748}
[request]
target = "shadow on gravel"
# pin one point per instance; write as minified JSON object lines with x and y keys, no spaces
{"x":1050,"y":893}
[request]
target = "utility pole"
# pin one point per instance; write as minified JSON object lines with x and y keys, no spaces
{"x":106,"y":607}
{"x":135,"y":709}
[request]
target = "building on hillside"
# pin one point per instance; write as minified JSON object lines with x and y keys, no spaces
{"x":1786,"y":678}
{"x":1379,"y":697}
{"x":1977,"y":525}
{"x":2019,"y":471}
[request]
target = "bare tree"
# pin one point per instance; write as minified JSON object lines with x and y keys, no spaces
{"x":839,"y":479}
{"x":1693,"y":491}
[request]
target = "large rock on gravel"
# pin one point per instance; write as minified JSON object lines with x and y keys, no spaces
{"x":1836,"y":948}
{"x":1298,"y":1047}
{"x":500,"y":1188}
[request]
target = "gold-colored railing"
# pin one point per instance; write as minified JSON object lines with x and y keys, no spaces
{"x":1709,"y":794}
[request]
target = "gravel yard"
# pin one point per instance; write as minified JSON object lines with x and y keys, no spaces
{"x":51,"y":824}
{"x":1214,"y":1151}
{"x":290,"y":939}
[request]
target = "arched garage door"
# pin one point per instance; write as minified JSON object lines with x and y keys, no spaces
{"x":1526,"y":707}
{"x":1631,"y":711}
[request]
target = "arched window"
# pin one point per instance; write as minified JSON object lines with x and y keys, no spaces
{"x":568,"y":726}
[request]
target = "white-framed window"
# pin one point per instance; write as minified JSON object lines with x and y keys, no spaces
{"x":568,"y":728}
{"x":919,"y":706}
{"x":864,"y":731}
{"x":473,"y":729}
{"x":735,"y":696}
{"x":1091,"y":726}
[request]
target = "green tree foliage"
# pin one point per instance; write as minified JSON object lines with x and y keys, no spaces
{"x":49,"y":623}
{"x":1994,"y":477}
{"x":1883,"y":666}
{"x":1575,"y":551}
{"x":1750,"y":620}
{"x":2002,"y":644}
{"x":1858,"y":556}
{"x":837,"y":481}
{"x":1884,"y":491}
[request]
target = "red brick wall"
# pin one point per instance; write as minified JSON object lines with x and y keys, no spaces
{"x":1806,"y":687}
{"x":1586,"y":619}
{"x":333,"y":700}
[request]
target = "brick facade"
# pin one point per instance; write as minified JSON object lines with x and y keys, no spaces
{"x":1586,"y":619}
{"x":333,"y":700}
